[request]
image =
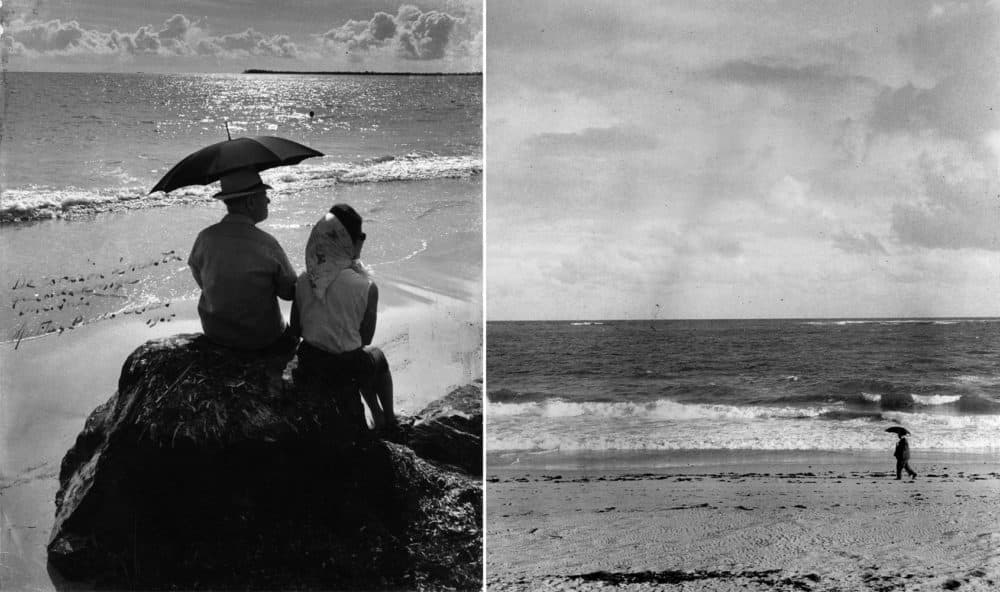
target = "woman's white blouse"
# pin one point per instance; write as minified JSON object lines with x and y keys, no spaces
{"x":333,"y":323}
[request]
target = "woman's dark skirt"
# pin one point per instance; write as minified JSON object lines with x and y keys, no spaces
{"x":342,"y":375}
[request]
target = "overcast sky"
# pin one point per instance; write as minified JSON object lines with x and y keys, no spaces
{"x":230,"y":35}
{"x":742,"y":159}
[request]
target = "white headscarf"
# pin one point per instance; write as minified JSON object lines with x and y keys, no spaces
{"x":329,"y":251}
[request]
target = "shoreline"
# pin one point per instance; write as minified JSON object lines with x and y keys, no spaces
{"x":356,"y":73}
{"x":51,"y":384}
{"x":135,"y":198}
{"x":757,"y":521}
{"x":622,"y":462}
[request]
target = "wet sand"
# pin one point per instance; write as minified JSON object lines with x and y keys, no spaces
{"x":429,"y":329}
{"x":797,"y":521}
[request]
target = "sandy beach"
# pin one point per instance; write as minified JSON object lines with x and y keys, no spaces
{"x":744,"y":521}
{"x":429,"y":330}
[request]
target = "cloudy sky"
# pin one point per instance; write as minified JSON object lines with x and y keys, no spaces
{"x":230,"y":35}
{"x":742,"y":159}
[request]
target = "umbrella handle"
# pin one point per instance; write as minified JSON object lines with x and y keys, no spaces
{"x":227,"y":132}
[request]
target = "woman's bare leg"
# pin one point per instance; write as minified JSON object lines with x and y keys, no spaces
{"x":378,"y":393}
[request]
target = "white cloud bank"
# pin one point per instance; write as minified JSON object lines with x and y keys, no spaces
{"x":176,"y":37}
{"x":410,"y":35}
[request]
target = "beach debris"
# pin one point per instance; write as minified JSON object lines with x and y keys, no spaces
{"x":66,"y":293}
{"x":19,"y":335}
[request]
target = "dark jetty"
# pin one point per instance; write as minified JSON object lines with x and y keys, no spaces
{"x":358,"y":73}
{"x":205,"y":472}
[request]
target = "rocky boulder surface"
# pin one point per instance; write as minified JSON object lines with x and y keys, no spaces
{"x":206,"y":471}
{"x":450,"y":430}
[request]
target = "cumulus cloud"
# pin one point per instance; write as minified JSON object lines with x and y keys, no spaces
{"x":248,"y":43}
{"x":362,"y":35}
{"x":57,"y":37}
{"x":428,"y":37}
{"x":178,"y":36}
{"x":410,"y":34}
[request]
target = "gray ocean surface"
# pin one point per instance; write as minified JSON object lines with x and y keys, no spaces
{"x":82,"y":240}
{"x":92,"y":266}
{"x":653,"y":386}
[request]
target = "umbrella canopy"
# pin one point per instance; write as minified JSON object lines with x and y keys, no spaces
{"x":212,"y":162}
{"x":898,"y":430}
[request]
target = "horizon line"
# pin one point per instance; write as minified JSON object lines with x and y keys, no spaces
{"x":623,"y":320}
{"x":358,"y":72}
{"x":253,"y":71}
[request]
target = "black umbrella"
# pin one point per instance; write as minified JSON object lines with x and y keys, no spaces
{"x":898,"y":430}
{"x":212,"y":162}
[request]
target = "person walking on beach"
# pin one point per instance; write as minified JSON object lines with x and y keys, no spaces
{"x":335,"y":310}
{"x":902,"y":455}
{"x":242,"y":271}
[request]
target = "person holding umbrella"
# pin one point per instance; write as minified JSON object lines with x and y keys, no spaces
{"x":242,"y":271}
{"x":902,"y":453}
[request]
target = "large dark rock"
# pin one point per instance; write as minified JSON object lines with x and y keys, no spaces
{"x":205,"y":471}
{"x":450,"y":430}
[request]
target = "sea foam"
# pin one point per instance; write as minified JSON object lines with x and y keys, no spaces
{"x":935,"y":399}
{"x":659,"y":409}
{"x":610,"y":427}
{"x":40,"y":202}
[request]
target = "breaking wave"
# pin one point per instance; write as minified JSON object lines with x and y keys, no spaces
{"x":40,"y":202}
{"x":908,"y":402}
{"x":558,"y":425}
{"x":887,"y":322}
{"x":661,"y":409}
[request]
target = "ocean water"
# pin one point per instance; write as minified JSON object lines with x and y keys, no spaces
{"x":92,"y":266}
{"x":83,"y":242}
{"x":637,"y":387}
{"x":73,"y":140}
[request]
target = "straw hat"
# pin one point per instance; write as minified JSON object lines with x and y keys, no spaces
{"x":239,"y":183}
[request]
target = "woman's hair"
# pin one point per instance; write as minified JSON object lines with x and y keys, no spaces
{"x":349,"y":218}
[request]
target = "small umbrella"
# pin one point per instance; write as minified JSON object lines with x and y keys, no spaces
{"x":212,"y":162}
{"x":898,"y":430}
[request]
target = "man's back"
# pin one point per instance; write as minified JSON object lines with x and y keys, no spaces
{"x":241,"y":270}
{"x":902,"y":449}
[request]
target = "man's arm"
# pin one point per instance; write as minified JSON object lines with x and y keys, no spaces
{"x":284,"y":284}
{"x":193,"y":263}
{"x":295,"y":322}
{"x":371,"y":316}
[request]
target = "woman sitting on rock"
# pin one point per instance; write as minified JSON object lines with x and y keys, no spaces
{"x":335,"y":310}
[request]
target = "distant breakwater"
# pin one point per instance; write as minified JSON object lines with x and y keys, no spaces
{"x":359,"y":73}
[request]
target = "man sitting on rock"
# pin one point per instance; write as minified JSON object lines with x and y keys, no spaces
{"x":242,"y":271}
